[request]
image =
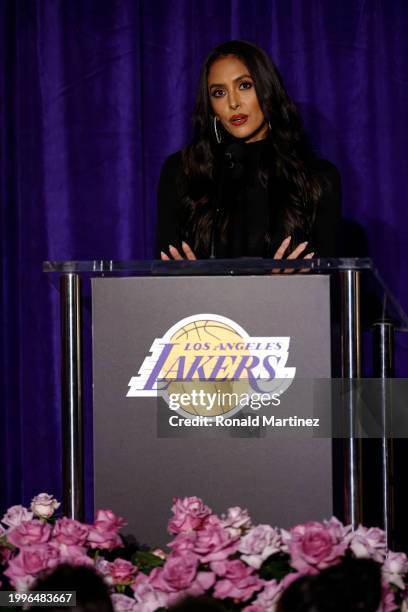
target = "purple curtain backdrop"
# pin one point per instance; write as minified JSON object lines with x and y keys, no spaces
{"x":96,"y":93}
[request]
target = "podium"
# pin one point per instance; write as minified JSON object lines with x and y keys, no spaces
{"x":284,"y":329}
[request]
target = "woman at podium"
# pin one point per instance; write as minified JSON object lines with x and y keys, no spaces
{"x":249,"y":184}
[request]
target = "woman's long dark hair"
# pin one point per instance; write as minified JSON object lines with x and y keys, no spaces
{"x":288,"y":160}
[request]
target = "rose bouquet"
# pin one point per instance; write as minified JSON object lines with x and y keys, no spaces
{"x":247,"y":566}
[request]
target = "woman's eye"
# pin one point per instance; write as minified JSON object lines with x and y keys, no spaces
{"x":217,"y":93}
{"x":245,"y":85}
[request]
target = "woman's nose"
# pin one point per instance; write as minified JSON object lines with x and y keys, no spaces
{"x":234,"y":100}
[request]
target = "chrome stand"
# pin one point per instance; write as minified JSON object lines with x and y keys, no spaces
{"x":72,"y":414}
{"x":383,"y":366}
{"x":351,"y":369}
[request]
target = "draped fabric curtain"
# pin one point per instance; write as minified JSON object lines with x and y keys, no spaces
{"x":94,"y":94}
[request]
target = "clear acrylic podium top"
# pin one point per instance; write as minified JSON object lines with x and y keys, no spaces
{"x":378,"y":303}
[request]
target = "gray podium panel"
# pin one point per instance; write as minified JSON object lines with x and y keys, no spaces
{"x":139,"y":468}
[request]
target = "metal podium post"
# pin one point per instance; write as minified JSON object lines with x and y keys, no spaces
{"x":383,"y":366}
{"x":72,"y":412}
{"x":351,"y":369}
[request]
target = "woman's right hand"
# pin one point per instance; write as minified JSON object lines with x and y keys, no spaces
{"x":280,"y":254}
{"x":175,"y":254}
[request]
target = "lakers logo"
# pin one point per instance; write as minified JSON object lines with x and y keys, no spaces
{"x":206,"y":365}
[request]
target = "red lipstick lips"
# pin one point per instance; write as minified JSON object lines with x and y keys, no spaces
{"x":238,"y":119}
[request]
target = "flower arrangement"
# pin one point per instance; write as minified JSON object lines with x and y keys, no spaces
{"x":247,"y":566}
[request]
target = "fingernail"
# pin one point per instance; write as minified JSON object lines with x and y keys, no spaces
{"x":288,"y":238}
{"x":184,"y":243}
{"x":162,"y":254}
{"x":304,"y":243}
{"x":311,"y":255}
{"x":171,"y":246}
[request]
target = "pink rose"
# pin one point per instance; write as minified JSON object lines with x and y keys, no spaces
{"x":387,"y":600}
{"x":70,"y":532}
{"x":185,"y":541}
{"x":22,"y":584}
{"x":213,"y":543}
{"x":122,"y":571}
{"x":368,"y":543}
{"x":104,"y":540}
{"x":268,"y":598}
{"x":30,"y":532}
{"x":394,"y":569}
{"x":179,"y":577}
{"x":30,"y":561}
{"x":123,"y":603}
{"x":237,"y":582}
{"x":68,"y":553}
{"x":236,"y":521}
{"x":147,"y":597}
{"x":202,"y":583}
{"x":177,"y":574}
{"x":79,"y":561}
{"x":106,"y":520}
{"x":189,"y":513}
{"x":339,"y":531}
{"x":258,"y":544}
{"x":16,"y":515}
{"x":44,"y":505}
{"x":313,"y":545}
{"x":103,"y":533}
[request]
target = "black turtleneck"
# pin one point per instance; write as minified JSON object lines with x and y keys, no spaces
{"x":250,"y":207}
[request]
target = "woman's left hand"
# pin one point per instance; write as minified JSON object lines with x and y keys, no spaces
{"x":175,"y":254}
{"x":281,"y":252}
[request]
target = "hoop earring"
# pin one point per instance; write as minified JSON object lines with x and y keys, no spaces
{"x":218,"y":137}
{"x":269,"y":126}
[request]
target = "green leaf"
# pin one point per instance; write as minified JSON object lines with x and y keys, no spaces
{"x":5,"y":544}
{"x":275,"y":568}
{"x":146,"y":561}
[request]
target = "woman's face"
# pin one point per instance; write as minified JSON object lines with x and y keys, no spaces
{"x":234,"y":101}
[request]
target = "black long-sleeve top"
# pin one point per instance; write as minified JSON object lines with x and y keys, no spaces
{"x":253,"y":210}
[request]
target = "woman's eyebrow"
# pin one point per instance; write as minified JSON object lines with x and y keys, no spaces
{"x":242,"y":76}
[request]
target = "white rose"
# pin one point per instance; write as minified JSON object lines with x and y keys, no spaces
{"x":44,"y":505}
{"x":258,"y":544}
{"x":236,"y":521}
{"x":368,"y":543}
{"x":394,"y":569}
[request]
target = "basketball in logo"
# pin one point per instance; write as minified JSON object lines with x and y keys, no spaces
{"x":204,"y":358}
